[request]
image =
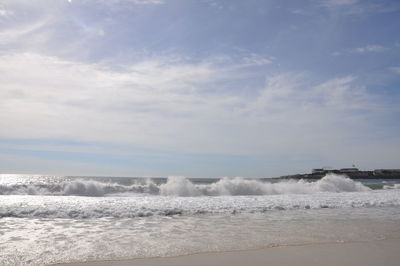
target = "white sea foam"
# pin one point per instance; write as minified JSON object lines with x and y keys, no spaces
{"x":52,"y":240}
{"x":338,"y":183}
{"x":107,"y":218}
{"x":183,"y":187}
{"x":126,"y":207}
{"x":77,"y":187}
{"x":392,"y":186}
{"x":87,"y":188}
{"x":179,"y":186}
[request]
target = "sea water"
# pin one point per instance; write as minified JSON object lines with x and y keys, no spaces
{"x":53,"y":219}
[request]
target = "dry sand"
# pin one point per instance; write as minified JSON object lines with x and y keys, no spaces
{"x":374,"y":253}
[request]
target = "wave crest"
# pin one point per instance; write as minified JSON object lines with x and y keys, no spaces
{"x":183,"y":187}
{"x":88,"y":188}
{"x":180,"y":186}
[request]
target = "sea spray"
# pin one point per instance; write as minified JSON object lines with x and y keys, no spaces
{"x":338,"y":183}
{"x":130,"y":207}
{"x":392,"y":186}
{"x":88,"y":188}
{"x":145,"y":205}
{"x":183,"y":187}
{"x":179,"y":186}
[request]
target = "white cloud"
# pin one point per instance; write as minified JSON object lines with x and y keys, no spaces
{"x":128,"y":2}
{"x":174,"y":105}
{"x":21,"y":33}
{"x":56,"y":28}
{"x":215,"y":105}
{"x":144,"y":2}
{"x":395,"y":70}
{"x":58,"y":98}
{"x":370,"y":48}
{"x":356,"y":7}
{"x":5,"y":12}
{"x":339,"y":2}
{"x":340,"y":92}
{"x":256,"y":60}
{"x":286,"y":90}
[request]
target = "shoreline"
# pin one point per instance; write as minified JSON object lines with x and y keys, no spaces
{"x":362,"y":253}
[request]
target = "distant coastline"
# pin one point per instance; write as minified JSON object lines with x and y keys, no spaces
{"x":353,"y":173}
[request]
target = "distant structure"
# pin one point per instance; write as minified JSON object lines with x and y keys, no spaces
{"x":386,"y":171}
{"x":352,"y":172}
{"x":349,"y":170}
{"x":343,"y":170}
{"x":318,"y":170}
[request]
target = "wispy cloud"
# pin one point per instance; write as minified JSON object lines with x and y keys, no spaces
{"x":18,"y":34}
{"x":139,"y":2}
{"x":151,"y":103}
{"x":145,"y":2}
{"x":395,"y":70}
{"x":356,"y":7}
{"x":4,"y":12}
{"x":111,"y":72}
{"x":370,"y":48}
{"x":257,"y":60}
{"x":54,"y":27}
{"x":135,"y":103}
{"x":338,"y":2}
{"x":123,"y":3}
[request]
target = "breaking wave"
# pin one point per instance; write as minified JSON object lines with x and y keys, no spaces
{"x":145,"y":206}
{"x":183,"y":187}
{"x":181,"y":196}
{"x":90,"y":188}
{"x":392,"y":186}
{"x":180,"y":186}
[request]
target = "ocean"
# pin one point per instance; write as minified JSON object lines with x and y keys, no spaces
{"x":54,"y":219}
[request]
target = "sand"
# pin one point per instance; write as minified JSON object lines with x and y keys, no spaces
{"x":374,"y":253}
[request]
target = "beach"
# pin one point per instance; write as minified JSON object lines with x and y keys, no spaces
{"x":180,"y":221}
{"x":199,"y":132}
{"x":380,"y":252}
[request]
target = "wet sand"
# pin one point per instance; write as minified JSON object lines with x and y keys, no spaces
{"x":382,"y":252}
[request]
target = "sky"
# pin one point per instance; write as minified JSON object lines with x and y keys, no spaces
{"x":198,"y":88}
